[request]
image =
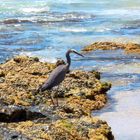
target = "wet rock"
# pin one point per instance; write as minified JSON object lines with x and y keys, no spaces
{"x":17,"y":114}
{"x":132,"y":48}
{"x":8,"y":134}
{"x":105,"y":87}
{"x":97,"y":74}
{"x":11,"y":21}
{"x":14,"y":21}
{"x":83,"y":129}
{"x":103,"y":46}
{"x":128,"y":47}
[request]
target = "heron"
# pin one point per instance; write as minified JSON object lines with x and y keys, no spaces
{"x":58,"y":75}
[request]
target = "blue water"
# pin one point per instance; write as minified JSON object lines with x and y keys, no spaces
{"x":47,"y":28}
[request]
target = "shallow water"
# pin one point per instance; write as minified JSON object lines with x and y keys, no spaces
{"x":47,"y":28}
{"x":122,"y":111}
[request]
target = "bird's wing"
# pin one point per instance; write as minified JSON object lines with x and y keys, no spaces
{"x":56,"y":77}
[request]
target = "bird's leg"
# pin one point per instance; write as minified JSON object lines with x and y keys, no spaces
{"x":52,"y":100}
{"x":51,"y":96}
{"x":57,"y":100}
{"x":57,"y":96}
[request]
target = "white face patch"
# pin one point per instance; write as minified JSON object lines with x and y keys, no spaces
{"x":72,"y":50}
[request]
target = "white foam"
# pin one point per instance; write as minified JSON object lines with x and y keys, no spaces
{"x":74,"y":29}
{"x":34,"y":10}
{"x":42,"y":58}
{"x":124,"y":119}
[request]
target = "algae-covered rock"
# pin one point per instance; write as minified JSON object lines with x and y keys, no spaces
{"x":132,"y":48}
{"x":85,"y":92}
{"x":23,"y":75}
{"x":85,"y":128}
{"x":128,"y":47}
{"x":35,"y":117}
{"x":9,"y":134}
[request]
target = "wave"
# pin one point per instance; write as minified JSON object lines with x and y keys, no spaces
{"x":132,"y":24}
{"x":76,"y":30}
{"x":35,"y":10}
{"x":50,"y":18}
{"x":41,"y":58}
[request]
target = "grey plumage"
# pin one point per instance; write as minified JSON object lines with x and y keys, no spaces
{"x":55,"y":78}
{"x":58,"y":74}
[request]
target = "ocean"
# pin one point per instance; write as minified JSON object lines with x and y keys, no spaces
{"x":47,"y":28}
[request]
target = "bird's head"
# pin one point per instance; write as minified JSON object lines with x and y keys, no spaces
{"x":74,"y":51}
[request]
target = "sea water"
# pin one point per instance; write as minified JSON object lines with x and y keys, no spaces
{"x":47,"y":28}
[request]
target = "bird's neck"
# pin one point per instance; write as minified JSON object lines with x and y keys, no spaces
{"x":68,"y":59}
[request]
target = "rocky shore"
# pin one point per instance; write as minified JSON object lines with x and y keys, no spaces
{"x":26,"y":114}
{"x":128,"y":47}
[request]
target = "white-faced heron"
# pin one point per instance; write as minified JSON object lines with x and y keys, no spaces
{"x":58,"y":74}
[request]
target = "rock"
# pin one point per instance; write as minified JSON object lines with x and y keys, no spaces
{"x":2,"y":74}
{"x":86,"y":91}
{"x":23,"y":75}
{"x":2,"y":79}
{"x":8,"y":134}
{"x":11,"y":21}
{"x":81,"y":129}
{"x":128,"y":47}
{"x":103,"y":46}
{"x":28,"y":114}
{"x":17,"y":114}
{"x":84,"y":128}
{"x":60,"y":62}
{"x":15,"y":21}
{"x":132,"y":48}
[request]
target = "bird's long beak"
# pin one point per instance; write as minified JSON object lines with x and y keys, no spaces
{"x":78,"y":53}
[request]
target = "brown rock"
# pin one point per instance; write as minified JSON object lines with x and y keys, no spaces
{"x":81,"y":92}
{"x":128,"y":47}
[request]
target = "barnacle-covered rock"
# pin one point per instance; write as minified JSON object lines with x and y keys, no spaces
{"x":85,"y":128}
{"x":36,"y":117}
{"x":128,"y":47}
{"x":23,"y":75}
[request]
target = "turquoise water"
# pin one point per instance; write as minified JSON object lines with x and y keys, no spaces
{"x":47,"y":28}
